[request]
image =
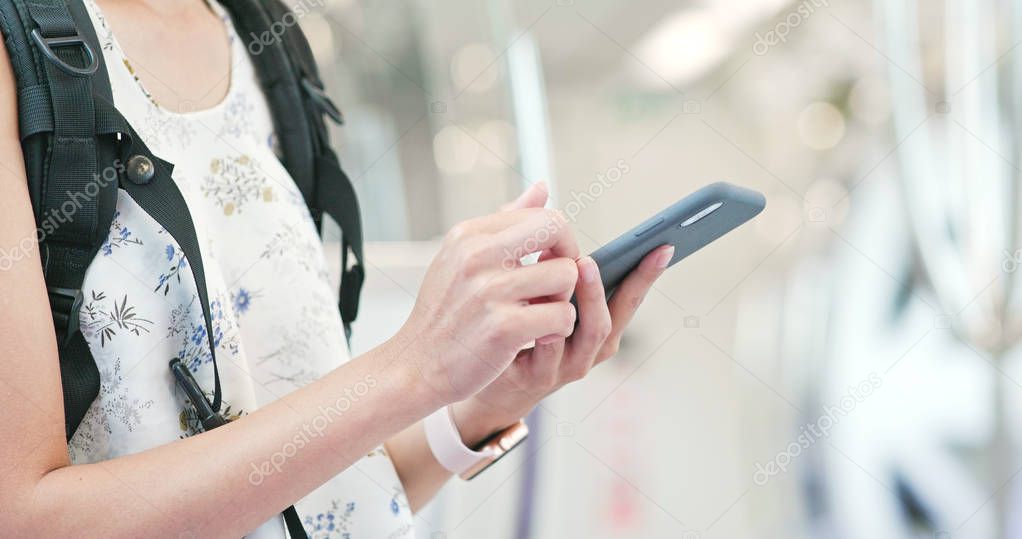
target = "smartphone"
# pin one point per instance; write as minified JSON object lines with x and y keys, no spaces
{"x":689,"y":225}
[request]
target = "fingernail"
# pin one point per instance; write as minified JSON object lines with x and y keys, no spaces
{"x":665,"y":257}
{"x":587,"y":270}
{"x":548,"y":339}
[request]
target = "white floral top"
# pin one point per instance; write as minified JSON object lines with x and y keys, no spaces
{"x":274,"y":312}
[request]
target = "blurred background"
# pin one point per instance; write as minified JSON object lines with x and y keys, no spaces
{"x":842,"y":366}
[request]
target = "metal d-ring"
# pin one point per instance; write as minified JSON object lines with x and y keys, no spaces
{"x":46,"y":45}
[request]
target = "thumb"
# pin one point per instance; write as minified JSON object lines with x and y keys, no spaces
{"x":533,"y":197}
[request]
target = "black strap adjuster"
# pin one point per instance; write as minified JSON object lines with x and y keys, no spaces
{"x":203,"y":409}
{"x":351,"y":284}
{"x":64,"y":305}
{"x":322,"y":101}
{"x":46,"y":45}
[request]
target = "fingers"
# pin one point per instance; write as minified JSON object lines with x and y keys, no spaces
{"x":555,"y":277}
{"x":521,"y":228}
{"x":502,"y":220}
{"x":565,"y":294}
{"x":544,"y":362}
{"x":630,"y":293}
{"x":533,"y":197}
{"x":515,"y":228}
{"x":533,"y":321}
{"x":594,"y":322}
{"x":534,"y":230}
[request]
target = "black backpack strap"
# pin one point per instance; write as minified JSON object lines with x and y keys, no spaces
{"x":76,"y":146}
{"x":290,"y":80}
{"x":61,"y":158}
{"x":151,"y":186}
{"x":334,"y":193}
{"x":69,"y":64}
{"x":79,"y":150}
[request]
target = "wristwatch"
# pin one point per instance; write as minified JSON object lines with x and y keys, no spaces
{"x":451,"y":452}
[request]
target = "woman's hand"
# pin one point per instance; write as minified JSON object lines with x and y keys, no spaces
{"x":469,"y":317}
{"x":556,"y":361}
{"x":474,"y":311}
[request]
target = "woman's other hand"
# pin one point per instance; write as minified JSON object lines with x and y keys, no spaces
{"x":477,"y":305}
{"x":556,"y":360}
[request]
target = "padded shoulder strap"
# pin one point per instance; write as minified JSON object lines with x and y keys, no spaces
{"x":54,"y":67}
{"x":77,"y":149}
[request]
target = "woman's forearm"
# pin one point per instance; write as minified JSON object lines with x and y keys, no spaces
{"x":420,"y":473}
{"x":228,"y":481}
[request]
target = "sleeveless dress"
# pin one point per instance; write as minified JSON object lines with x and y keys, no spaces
{"x":274,"y":311}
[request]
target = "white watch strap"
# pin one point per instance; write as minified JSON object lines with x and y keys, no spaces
{"x":445,"y":443}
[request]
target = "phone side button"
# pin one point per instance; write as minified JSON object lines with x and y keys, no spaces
{"x":650,"y":225}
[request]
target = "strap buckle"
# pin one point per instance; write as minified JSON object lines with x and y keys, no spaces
{"x":65,"y":303}
{"x":204,"y":411}
{"x":46,"y":45}
{"x":351,"y":284}
{"x":322,"y":101}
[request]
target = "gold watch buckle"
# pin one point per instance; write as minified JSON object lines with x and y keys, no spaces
{"x":497,"y":445}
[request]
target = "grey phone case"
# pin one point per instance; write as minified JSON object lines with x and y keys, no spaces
{"x":689,"y":224}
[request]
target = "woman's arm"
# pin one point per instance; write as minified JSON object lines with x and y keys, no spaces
{"x":221,"y":483}
{"x":207,"y":483}
{"x":228,"y":481}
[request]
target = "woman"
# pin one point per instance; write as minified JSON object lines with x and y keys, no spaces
{"x":340,"y":439}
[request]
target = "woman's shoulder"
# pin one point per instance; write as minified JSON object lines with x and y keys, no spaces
{"x":8,"y":104}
